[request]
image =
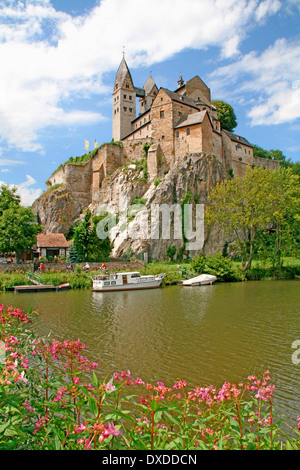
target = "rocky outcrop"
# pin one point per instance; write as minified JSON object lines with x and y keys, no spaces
{"x":57,"y":210}
{"x":132,"y":199}
{"x":138,"y":230}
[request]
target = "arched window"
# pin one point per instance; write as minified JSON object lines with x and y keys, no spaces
{"x":162,"y":113}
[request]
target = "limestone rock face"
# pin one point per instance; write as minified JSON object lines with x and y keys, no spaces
{"x":57,"y":210}
{"x":188,"y":181}
{"x":131,"y":198}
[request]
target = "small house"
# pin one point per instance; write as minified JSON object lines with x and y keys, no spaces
{"x":51,"y":244}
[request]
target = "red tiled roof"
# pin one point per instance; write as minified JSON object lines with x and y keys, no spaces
{"x":49,"y":240}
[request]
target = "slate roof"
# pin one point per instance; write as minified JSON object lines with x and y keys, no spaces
{"x":190,"y":119}
{"x":237,"y":138}
{"x":180,"y":98}
{"x":123,"y":70}
{"x":51,"y":240}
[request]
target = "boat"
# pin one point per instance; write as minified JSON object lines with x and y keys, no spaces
{"x":202,"y":280}
{"x":125,"y":281}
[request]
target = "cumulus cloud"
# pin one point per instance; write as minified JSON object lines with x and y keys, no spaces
{"x":272,"y":77}
{"x":25,"y":190}
{"x":50,"y":57}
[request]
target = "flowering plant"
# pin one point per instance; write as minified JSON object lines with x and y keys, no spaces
{"x":51,"y":397}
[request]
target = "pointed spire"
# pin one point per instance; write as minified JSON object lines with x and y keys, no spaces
{"x":180,"y":81}
{"x":122,"y":72}
{"x":150,"y":83}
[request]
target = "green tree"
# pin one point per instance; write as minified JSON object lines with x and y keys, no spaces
{"x":226,"y":115}
{"x":72,"y":254}
{"x":89,"y":247}
{"x":18,"y":226}
{"x":171,"y":252}
{"x":249,"y":206}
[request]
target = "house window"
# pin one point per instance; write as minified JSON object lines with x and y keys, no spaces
{"x":179,"y":113}
{"x":127,"y":86}
{"x":177,"y":133}
{"x":124,"y":96}
{"x":162,"y":114}
{"x":188,"y":131}
{"x":130,"y":97}
{"x":130,"y":110}
{"x":125,"y":109}
{"x":162,"y":137}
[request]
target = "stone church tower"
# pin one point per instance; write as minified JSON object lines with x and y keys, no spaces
{"x":124,"y":102}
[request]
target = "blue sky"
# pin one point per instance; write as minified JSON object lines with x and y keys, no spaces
{"x":59,"y":59}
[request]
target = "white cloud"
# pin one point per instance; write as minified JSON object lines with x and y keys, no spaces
{"x":271,"y":78}
{"x":9,"y":162}
{"x":50,"y":57}
{"x":25,"y":190}
{"x":27,"y":193}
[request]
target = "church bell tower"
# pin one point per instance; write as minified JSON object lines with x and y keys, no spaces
{"x":124,"y":102}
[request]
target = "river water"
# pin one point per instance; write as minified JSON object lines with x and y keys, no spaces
{"x":205,"y":335}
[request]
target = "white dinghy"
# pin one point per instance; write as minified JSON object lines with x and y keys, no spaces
{"x":202,"y":280}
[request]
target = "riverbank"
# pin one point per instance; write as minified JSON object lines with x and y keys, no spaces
{"x":56,"y":275}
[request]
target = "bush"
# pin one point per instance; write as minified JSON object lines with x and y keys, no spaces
{"x":217,"y":265}
{"x":222,"y":267}
{"x":198,"y":264}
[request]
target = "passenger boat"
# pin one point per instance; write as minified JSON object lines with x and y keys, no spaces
{"x":126,"y":281}
{"x":202,"y":280}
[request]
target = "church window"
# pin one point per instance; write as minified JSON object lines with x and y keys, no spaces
{"x":177,"y":133}
{"x":188,"y":131}
{"x":163,"y":137}
{"x":162,"y":113}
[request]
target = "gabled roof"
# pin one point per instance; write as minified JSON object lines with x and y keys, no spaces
{"x":237,"y":138}
{"x":51,"y":240}
{"x":180,"y":98}
{"x":191,"y":119}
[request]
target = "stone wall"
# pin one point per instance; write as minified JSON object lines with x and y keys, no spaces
{"x":162,"y":125}
{"x":133,"y":148}
{"x":116,"y":265}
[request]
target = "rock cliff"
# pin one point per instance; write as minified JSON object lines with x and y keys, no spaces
{"x":131,"y":197}
{"x":57,"y":209}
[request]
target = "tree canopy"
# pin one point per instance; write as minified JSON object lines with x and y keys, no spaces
{"x":226,"y":115}
{"x":262,"y":202}
{"x":18,"y":226}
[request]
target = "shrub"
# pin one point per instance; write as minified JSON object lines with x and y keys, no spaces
{"x":217,"y":265}
{"x":222,"y":267}
{"x":198,"y":264}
